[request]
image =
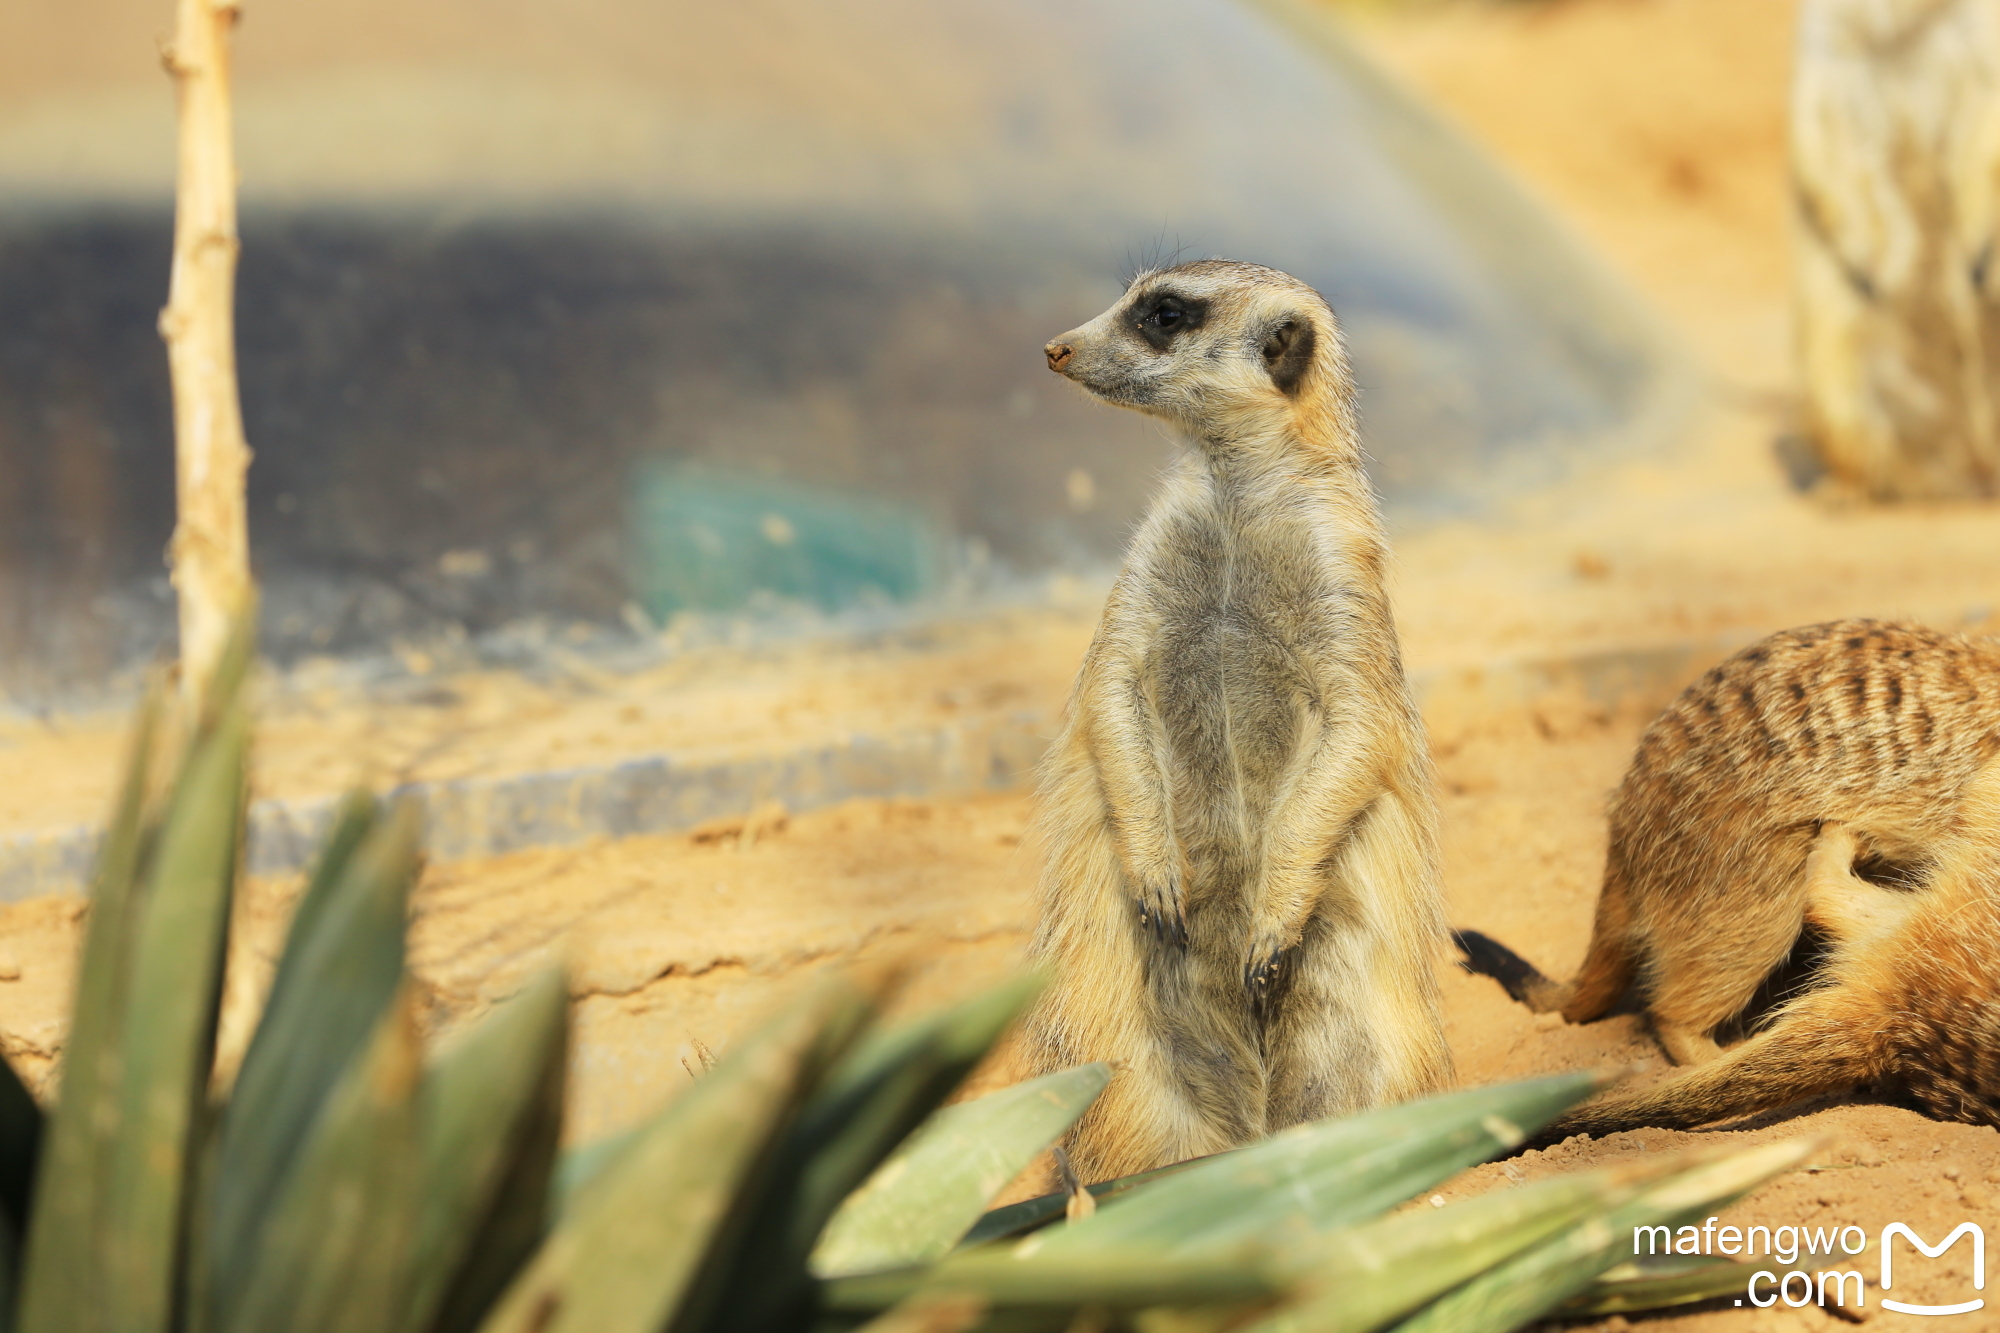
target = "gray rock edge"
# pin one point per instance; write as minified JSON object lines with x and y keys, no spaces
{"x":665,"y":793}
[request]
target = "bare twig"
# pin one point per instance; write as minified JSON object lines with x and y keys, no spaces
{"x":211,"y":550}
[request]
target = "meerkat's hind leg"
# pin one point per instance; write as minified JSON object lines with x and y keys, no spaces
{"x":1821,"y":1045}
{"x":1716,"y":939}
{"x":1684,"y":1045}
{"x":1838,"y":901}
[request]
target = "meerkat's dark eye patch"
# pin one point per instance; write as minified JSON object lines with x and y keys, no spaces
{"x":1288,"y":353}
{"x":1163,"y":316}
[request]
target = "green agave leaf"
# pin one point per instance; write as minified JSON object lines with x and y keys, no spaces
{"x":1323,"y":1175}
{"x":156,"y":1047}
{"x":1653,"y":1285}
{"x":342,"y":964}
{"x":60,"y":1247}
{"x":1018,"y":1218}
{"x":493,"y":1115}
{"x":336,"y":1251}
{"x":623,"y":1257}
{"x":20,"y":1141}
{"x":353,"y":820}
{"x":869,"y":1102}
{"x":168,"y":1032}
{"x":924,"y":1197}
{"x":577,"y":1167}
{"x":1655,"y":1281}
{"x":1366,"y":1277}
{"x":1118,"y":1279}
{"x":1530,"y":1285}
{"x":946,"y":1312}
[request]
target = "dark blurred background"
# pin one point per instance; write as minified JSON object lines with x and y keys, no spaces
{"x":604,"y":316}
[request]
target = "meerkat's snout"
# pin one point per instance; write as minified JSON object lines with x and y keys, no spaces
{"x":1059,"y":354}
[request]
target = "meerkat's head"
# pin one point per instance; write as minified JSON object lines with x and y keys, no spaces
{"x":1216,"y":347}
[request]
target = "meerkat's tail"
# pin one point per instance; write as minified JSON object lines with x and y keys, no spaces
{"x":1525,"y":983}
{"x":1818,"y":1049}
{"x":1600,"y":983}
{"x":1485,"y":956}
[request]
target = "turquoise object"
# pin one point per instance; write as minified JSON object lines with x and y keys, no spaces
{"x":708,"y":540}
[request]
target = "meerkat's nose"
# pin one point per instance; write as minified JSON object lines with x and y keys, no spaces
{"x":1059,"y":354}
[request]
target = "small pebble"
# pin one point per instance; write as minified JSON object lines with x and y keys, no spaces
{"x":1437,"y":1200}
{"x":10,"y":965}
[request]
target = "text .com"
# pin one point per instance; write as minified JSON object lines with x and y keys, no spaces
{"x":1828,"y":1285}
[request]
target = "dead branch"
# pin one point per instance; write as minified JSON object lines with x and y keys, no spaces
{"x":210,"y":556}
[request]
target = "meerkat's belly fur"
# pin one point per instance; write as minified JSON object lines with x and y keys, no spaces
{"x":1240,"y":902}
{"x":1877,"y":727}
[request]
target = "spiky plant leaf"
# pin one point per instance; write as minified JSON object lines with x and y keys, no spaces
{"x":493,"y":1114}
{"x":58,"y":1242}
{"x":623,"y":1256}
{"x":1353,"y":1280}
{"x":921,"y":1201}
{"x":20,"y":1143}
{"x":169,"y":1027}
{"x":342,"y":964}
{"x":354,"y":818}
{"x":1655,"y":1281}
{"x":1365,"y":1277}
{"x":1530,"y":1285}
{"x":940,"y":1312}
{"x":1116,"y":1279}
{"x":868,"y":1103}
{"x":1331,"y":1173}
{"x":576,"y":1167}
{"x":143,"y":1102}
{"x":1656,"y":1284}
{"x":336,"y":1252}
{"x":1017,"y":1219}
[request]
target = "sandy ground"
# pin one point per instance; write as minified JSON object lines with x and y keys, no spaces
{"x":1655,"y":127}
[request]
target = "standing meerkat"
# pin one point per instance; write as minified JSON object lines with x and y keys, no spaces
{"x":1909,"y":1000}
{"x":1877,"y":727}
{"x":1240,"y":902}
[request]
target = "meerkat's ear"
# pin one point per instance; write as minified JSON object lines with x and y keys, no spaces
{"x":1288,"y":351}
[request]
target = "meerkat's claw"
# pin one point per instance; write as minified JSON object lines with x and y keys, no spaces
{"x":1166,"y":925}
{"x":1264,"y":982}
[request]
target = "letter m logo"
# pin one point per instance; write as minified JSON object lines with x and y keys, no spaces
{"x":1659,"y":1240}
{"x":1895,"y":1229}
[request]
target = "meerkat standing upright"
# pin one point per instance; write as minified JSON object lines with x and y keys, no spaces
{"x":1240,"y":901}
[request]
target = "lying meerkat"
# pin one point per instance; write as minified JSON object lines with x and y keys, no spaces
{"x":1910,"y":1001}
{"x":1240,"y":902}
{"x":1879,"y":727}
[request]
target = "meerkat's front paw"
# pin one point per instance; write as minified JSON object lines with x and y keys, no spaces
{"x":1161,"y":917}
{"x":1265,"y":974}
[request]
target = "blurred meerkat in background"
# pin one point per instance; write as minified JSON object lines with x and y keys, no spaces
{"x":1895,"y":129}
{"x":1240,"y":900}
{"x":1879,"y":728}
